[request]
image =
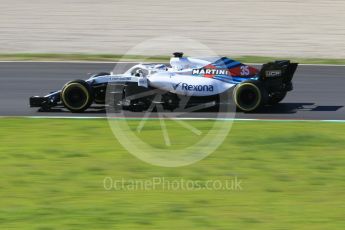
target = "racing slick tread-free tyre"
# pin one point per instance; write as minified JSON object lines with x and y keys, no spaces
{"x":77,"y":96}
{"x":249,"y":96}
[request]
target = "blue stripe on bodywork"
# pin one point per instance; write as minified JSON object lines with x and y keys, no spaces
{"x":223,"y":61}
{"x":233,"y":65}
{"x":226,"y":63}
{"x":225,"y":80}
{"x":232,"y":79}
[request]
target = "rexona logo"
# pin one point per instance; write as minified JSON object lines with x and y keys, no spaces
{"x":198,"y":88}
{"x":211,"y":71}
{"x":175,"y":86}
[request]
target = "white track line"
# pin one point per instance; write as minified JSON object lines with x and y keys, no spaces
{"x":176,"y":118}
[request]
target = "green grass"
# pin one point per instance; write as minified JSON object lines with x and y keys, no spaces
{"x":52,"y":172}
{"x":139,"y":58}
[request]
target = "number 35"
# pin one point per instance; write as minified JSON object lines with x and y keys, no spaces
{"x":245,"y":70}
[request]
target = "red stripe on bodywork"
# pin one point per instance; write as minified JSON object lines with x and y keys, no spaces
{"x":210,"y":66}
{"x":237,"y":71}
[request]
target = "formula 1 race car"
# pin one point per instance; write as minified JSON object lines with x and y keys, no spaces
{"x":199,"y":79}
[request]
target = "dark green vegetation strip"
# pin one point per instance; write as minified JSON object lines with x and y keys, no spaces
{"x":52,"y":174}
{"x":138,"y":58}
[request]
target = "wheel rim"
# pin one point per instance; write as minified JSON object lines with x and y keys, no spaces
{"x":248,"y":97}
{"x":75,"y":96}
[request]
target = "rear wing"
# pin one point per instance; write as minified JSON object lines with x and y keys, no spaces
{"x":278,"y":69}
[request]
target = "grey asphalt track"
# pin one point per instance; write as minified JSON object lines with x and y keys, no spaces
{"x":319,"y":92}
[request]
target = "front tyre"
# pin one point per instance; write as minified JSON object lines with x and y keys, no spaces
{"x":249,"y":95}
{"x":77,"y":96}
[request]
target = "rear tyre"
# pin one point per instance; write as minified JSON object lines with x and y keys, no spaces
{"x":77,"y":96}
{"x":276,"y":98}
{"x":249,"y":96}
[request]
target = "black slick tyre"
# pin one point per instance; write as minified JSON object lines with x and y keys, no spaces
{"x":249,"y":96}
{"x":77,"y":96}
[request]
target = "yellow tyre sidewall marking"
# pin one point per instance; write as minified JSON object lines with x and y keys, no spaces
{"x":247,"y":84}
{"x":79,"y":86}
